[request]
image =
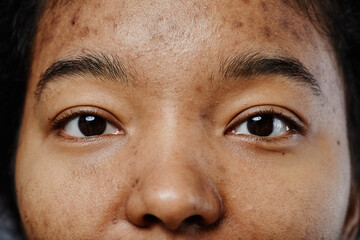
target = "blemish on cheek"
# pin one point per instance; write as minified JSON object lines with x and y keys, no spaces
{"x":114,"y":220}
{"x":338,"y":142}
{"x":136,"y":183}
{"x":237,"y":24}
{"x":283,"y":154}
{"x":246,"y":1}
{"x":221,"y":168}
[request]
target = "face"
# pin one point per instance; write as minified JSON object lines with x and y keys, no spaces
{"x":182,"y":120}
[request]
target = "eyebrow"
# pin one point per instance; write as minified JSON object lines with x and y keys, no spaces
{"x":244,"y":65}
{"x":98,"y":65}
{"x":255,"y":64}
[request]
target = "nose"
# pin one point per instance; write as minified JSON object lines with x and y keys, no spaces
{"x":174,"y":196}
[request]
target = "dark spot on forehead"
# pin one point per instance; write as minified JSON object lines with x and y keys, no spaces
{"x":284,"y":24}
{"x":84,"y":31}
{"x":295,"y":35}
{"x":264,"y":5}
{"x":74,"y":20}
{"x":54,"y":20}
{"x":246,"y":1}
{"x":204,"y":116}
{"x":267,"y":32}
{"x":45,"y":38}
{"x":308,"y":30}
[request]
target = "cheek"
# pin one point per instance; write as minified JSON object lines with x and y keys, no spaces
{"x":305,"y":194}
{"x":59,"y":194}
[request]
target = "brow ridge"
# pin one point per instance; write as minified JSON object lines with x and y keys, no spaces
{"x":98,"y":65}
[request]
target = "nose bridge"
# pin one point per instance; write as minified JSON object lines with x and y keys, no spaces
{"x":173,"y":134}
{"x":173,"y":188}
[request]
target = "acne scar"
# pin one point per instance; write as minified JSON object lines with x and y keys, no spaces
{"x":74,"y":20}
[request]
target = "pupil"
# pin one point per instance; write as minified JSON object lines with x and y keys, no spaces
{"x":261,"y":125}
{"x":90,"y":125}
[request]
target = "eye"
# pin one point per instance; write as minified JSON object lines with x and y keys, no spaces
{"x":85,"y":122}
{"x":88,"y":125}
{"x":262,"y":125}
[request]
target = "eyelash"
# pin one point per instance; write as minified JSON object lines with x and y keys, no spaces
{"x":296,"y":126}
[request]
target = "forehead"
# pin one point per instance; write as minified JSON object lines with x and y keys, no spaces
{"x":178,"y":27}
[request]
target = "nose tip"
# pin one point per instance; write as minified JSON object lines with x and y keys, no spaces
{"x":175,"y":206}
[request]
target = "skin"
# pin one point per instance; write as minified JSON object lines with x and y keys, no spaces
{"x":174,"y":156}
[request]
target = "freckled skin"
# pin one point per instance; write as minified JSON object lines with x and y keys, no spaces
{"x":176,"y":161}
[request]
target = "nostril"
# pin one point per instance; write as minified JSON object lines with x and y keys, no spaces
{"x":195,"y":220}
{"x":150,"y":219}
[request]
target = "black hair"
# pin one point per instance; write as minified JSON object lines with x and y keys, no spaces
{"x":338,"y":19}
{"x":17,"y":28}
{"x":340,"y":22}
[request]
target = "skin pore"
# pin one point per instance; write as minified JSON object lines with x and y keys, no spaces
{"x":176,"y":82}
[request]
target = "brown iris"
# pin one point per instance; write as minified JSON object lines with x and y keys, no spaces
{"x":91,"y":125}
{"x":261,"y":125}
